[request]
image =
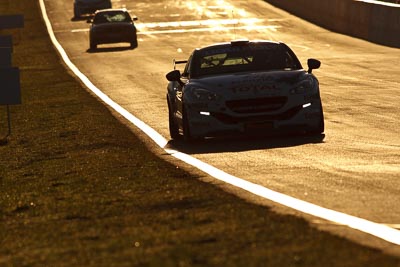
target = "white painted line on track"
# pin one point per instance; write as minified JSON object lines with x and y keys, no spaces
{"x":378,"y":230}
{"x":214,"y":29}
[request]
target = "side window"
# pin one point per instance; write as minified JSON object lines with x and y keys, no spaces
{"x":290,"y":64}
{"x":292,"y":61}
{"x":187,"y":68}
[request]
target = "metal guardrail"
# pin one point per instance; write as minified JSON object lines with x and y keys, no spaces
{"x":371,"y":20}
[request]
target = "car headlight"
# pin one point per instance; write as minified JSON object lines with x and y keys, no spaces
{"x":200,"y":94}
{"x":303,"y":87}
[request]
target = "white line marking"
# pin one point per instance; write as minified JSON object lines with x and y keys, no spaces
{"x":397,"y":226}
{"x":214,"y":29}
{"x":379,"y":3}
{"x":379,"y":230}
{"x":213,"y":25}
{"x":194,"y":23}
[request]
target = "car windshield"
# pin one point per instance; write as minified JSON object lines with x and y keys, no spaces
{"x":244,"y":58}
{"x":112,"y":16}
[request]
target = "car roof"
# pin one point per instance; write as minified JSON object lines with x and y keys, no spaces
{"x":111,"y":10}
{"x":238,"y":42}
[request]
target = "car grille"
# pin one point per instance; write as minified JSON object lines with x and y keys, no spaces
{"x":228,"y":119}
{"x":257,"y":105}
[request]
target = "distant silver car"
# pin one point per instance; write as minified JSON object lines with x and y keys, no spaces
{"x":243,"y":87}
{"x":89,"y":6}
{"x":112,"y":26}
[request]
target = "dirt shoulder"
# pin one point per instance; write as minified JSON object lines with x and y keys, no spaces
{"x":78,"y":188}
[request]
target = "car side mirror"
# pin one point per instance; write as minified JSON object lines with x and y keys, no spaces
{"x":174,"y":76}
{"x":134,"y":18}
{"x":313,"y":64}
{"x":89,"y":21}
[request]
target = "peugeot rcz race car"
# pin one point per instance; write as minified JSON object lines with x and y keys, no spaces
{"x":243,"y":87}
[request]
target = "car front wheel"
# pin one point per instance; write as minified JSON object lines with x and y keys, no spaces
{"x":77,"y":13}
{"x":93,"y":45}
{"x":173,"y":127}
{"x":187,"y":135}
{"x":134,"y":44}
{"x":321,"y":125}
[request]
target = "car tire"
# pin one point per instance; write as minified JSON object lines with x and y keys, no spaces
{"x":187,"y":137}
{"x":77,"y":13}
{"x":134,"y":44}
{"x":321,"y":125}
{"x":93,"y":45}
{"x":173,"y":126}
{"x":321,"y":128}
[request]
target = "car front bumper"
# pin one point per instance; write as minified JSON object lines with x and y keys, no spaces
{"x":113,"y":36}
{"x":295,"y":116}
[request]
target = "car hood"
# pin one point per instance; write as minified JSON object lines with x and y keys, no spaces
{"x":256,"y":84}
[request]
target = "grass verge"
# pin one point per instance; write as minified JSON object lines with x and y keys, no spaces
{"x":80,"y":189}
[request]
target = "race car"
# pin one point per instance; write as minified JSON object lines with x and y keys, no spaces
{"x":89,"y":6}
{"x":112,"y":26}
{"x":243,"y":87}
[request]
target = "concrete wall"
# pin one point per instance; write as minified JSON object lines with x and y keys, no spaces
{"x":377,"y":23}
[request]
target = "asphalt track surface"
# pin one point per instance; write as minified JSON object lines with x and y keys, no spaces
{"x":354,"y":169}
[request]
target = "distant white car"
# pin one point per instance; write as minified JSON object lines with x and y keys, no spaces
{"x":82,"y":7}
{"x":243,"y":87}
{"x":112,"y":26}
